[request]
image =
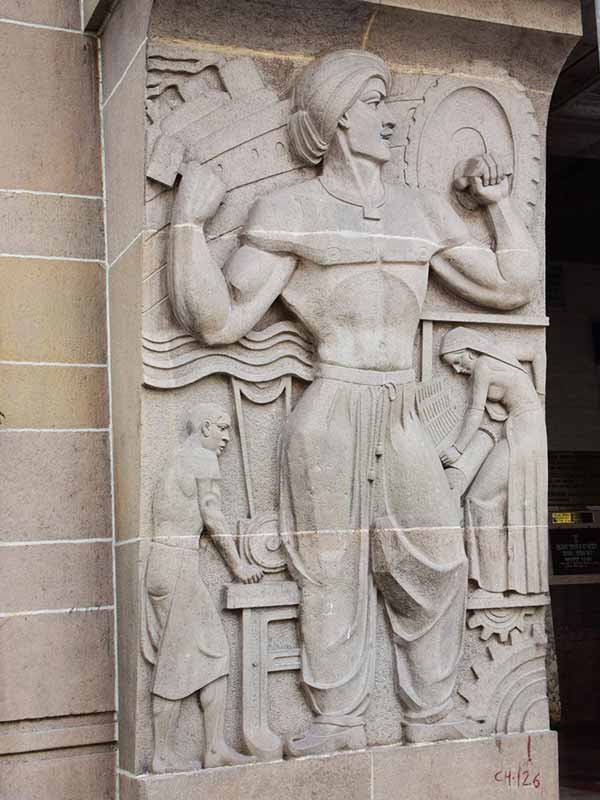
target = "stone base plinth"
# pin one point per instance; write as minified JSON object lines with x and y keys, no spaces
{"x":496,"y":768}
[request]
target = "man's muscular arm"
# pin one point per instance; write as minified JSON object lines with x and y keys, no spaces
{"x":203,"y":301}
{"x":503,"y":279}
{"x":209,"y":502}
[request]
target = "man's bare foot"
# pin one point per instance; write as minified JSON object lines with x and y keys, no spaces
{"x":322,"y":738}
{"x":452,"y":726}
{"x":225,"y":756}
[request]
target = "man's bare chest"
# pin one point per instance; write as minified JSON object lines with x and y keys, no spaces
{"x":359,"y":290}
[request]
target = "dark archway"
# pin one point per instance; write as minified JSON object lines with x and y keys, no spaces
{"x":573,"y":408}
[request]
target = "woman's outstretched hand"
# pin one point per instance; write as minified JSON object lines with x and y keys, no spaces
{"x":449,"y":456}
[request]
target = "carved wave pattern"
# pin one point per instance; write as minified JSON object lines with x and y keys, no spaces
{"x":265,"y":355}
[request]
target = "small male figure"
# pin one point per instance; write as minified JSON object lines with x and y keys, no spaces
{"x":184,"y":636}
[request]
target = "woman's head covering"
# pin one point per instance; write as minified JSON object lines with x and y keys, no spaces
{"x":465,"y":339}
{"x":325,"y":90}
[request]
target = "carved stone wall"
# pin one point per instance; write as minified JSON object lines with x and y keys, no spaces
{"x":426,"y":642}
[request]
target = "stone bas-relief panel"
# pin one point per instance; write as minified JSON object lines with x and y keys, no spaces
{"x":394,"y":544}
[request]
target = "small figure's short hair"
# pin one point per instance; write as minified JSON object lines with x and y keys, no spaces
{"x":206,"y":412}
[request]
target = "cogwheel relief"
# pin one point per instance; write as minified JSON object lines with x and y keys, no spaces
{"x":500,"y":622}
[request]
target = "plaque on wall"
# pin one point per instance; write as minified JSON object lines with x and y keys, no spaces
{"x":575,"y":551}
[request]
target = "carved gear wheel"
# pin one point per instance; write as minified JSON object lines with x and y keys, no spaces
{"x":463,"y":117}
{"x":500,"y":622}
{"x":506,"y":692}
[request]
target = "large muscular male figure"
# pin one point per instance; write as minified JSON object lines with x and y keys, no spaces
{"x":364,"y":501}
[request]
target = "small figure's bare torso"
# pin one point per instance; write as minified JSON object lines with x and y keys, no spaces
{"x":176,"y":501}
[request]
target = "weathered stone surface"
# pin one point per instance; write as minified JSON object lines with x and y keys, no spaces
{"x":495,"y":768}
{"x":304,"y":28}
{"x":54,"y":485}
{"x":54,"y":397}
{"x":53,"y":311}
{"x":71,"y":775}
{"x":128,"y":789}
{"x":123,"y":35}
{"x":34,"y":225}
{"x":560,"y":16}
{"x":50,"y":83}
{"x":57,"y":664}
{"x":129,"y":564}
{"x":344,"y":777}
{"x":125,"y":310}
{"x":265,"y":595}
{"x":52,"y":733}
{"x":464,"y":45}
{"x":502,"y":767}
{"x":56,"y":576}
{"x":58,"y":13}
{"x":124,"y":149}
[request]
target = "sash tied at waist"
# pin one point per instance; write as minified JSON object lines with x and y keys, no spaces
{"x":365,"y":377}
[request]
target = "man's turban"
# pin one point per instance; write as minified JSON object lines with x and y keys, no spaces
{"x":325,"y":90}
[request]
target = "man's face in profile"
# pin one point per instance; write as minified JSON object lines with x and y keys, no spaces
{"x":368,"y":124}
{"x":216,"y":434}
